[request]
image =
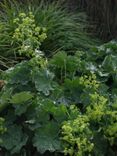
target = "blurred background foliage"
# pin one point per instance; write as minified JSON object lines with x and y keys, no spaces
{"x":102,"y":14}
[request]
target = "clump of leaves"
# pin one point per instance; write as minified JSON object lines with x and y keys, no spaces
{"x":30,"y":114}
{"x":103,"y":59}
{"x":65,"y":65}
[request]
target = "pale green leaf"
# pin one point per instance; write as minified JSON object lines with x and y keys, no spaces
{"x":21,"y":97}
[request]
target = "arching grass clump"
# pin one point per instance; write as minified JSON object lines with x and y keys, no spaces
{"x":65,"y":30}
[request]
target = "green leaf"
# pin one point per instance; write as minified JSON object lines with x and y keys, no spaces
{"x":43,"y":80}
{"x":21,"y":101}
{"x":5,"y":96}
{"x":59,"y":59}
{"x":101,"y":145}
{"x":14,"y":139}
{"x":21,"y":109}
{"x":19,"y":74}
{"x":46,"y":138}
{"x":21,"y":97}
{"x":59,"y":112}
{"x":73,"y":89}
{"x":110,"y":63}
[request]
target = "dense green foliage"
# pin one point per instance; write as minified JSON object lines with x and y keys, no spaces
{"x":62,"y":105}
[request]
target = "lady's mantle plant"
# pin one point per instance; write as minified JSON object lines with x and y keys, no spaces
{"x":55,"y":105}
{"x":27,"y":35}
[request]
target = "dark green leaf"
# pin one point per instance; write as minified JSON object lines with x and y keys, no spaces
{"x":43,"y":80}
{"x":46,"y":138}
{"x":14,"y":139}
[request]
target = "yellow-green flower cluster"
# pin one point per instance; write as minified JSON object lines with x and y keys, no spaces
{"x":77,"y":136}
{"x":89,"y":81}
{"x":27,"y":34}
{"x":104,"y":115}
{"x":97,"y":107}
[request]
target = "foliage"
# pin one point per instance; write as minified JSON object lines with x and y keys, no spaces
{"x":77,"y":135}
{"x":100,"y":112}
{"x":59,"y":106}
{"x":65,"y":105}
{"x":14,"y":139}
{"x":80,"y":134}
{"x":102,"y":16}
{"x":26,"y":104}
{"x":104,"y":59}
{"x":64,"y":30}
